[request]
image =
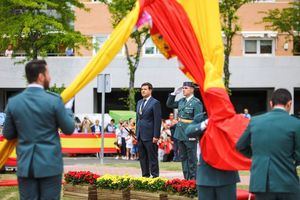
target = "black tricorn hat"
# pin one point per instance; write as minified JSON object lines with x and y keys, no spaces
{"x":189,"y":84}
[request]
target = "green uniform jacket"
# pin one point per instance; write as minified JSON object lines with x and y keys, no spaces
{"x":207,"y":175}
{"x":273,"y":142}
{"x":186,"y":110}
{"x":34,"y":117}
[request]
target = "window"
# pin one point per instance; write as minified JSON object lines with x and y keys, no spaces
{"x":250,"y":47}
{"x":98,"y":42}
{"x":259,"y":47}
{"x":150,"y":48}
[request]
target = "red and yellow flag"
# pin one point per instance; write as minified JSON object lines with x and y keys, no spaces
{"x":190,"y":30}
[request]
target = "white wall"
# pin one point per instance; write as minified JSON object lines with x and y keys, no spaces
{"x":247,"y":72}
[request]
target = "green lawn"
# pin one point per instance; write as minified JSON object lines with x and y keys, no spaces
{"x":167,"y":166}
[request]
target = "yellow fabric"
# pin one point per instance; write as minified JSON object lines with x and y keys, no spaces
{"x":109,"y":50}
{"x":86,"y":142}
{"x":205,"y":18}
{"x":6,"y":149}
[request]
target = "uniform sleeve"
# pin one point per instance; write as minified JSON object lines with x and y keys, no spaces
{"x":157,"y":119}
{"x":198,"y":108}
{"x":244,"y":143}
{"x":171,"y":103}
{"x":297,"y":146}
{"x":9,"y":129}
{"x":193,"y":130}
{"x":64,"y":118}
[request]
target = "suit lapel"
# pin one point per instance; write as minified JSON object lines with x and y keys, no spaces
{"x":147,"y":105}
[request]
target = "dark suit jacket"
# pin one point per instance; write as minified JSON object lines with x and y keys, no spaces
{"x":33,"y":117}
{"x":273,"y":142}
{"x":207,"y":175}
{"x":148,"y":124}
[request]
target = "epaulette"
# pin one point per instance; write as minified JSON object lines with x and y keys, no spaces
{"x":196,"y":99}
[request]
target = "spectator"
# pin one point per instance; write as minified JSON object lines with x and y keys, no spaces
{"x":132,"y":129}
{"x":96,"y":128}
{"x":118,"y":143}
{"x":77,"y":125}
{"x":9,"y":51}
{"x":161,"y":148}
{"x":172,"y":123}
{"x":124,"y":134}
{"x":246,"y":113}
{"x":129,"y":146}
{"x":86,"y":125}
{"x":69,"y":51}
{"x":111,"y":127}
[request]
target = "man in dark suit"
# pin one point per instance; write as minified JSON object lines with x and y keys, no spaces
{"x":212,"y":183}
{"x":33,"y":117}
{"x":272,"y":140}
{"x":148,"y":125}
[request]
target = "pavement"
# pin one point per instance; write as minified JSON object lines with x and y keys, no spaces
{"x":116,"y":167}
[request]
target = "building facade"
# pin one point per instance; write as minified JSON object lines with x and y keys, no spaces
{"x":261,"y":61}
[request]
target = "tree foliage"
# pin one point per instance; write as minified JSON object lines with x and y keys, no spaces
{"x":286,"y":20}
{"x":56,"y":89}
{"x":118,"y":10}
{"x":39,"y":26}
{"x":230,"y":26}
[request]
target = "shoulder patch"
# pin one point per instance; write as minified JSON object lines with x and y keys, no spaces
{"x":53,"y":93}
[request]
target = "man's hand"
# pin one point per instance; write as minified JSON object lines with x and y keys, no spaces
{"x":203,"y":125}
{"x":177,"y":91}
{"x":154,"y":140}
{"x":69,"y":104}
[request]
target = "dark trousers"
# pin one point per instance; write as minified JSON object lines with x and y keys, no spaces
{"x":276,"y":196}
{"x":227,"y":192}
{"x":188,"y":156}
{"x":48,"y":188}
{"x":176,"y":150}
{"x":123,"y":147}
{"x":148,"y":158}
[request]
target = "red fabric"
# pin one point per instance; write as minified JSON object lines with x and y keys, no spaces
{"x":225,"y":126}
{"x":244,"y":195}
{"x":8,"y":183}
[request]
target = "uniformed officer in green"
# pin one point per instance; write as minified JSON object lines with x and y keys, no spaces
{"x":272,"y":140}
{"x":33,"y":118}
{"x":188,"y":108}
{"x":212,"y":183}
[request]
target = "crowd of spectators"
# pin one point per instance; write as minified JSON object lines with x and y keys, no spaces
{"x":87,"y":126}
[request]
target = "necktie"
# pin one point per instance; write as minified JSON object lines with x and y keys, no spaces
{"x":142,"y":106}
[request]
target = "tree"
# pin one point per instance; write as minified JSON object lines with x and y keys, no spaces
{"x":39,"y":26}
{"x":118,"y":10}
{"x":230,"y":26}
{"x":286,"y":20}
{"x":56,"y":89}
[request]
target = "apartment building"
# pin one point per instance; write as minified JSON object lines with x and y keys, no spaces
{"x":261,"y":61}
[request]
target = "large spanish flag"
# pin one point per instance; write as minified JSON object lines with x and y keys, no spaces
{"x":190,"y":30}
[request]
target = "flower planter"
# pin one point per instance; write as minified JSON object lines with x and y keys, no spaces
{"x":105,"y":194}
{"x":80,"y":192}
{"x":177,"y":197}
{"x":141,"y":195}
